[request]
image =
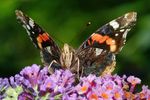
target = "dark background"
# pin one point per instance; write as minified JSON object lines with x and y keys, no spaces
{"x":65,"y":20}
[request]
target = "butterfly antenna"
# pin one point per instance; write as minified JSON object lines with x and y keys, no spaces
{"x":81,"y":31}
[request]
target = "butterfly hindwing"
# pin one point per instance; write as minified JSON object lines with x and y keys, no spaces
{"x":40,"y":38}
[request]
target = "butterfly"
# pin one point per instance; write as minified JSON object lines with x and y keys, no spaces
{"x":96,"y":55}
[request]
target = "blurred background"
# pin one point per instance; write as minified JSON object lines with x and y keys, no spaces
{"x":65,"y":20}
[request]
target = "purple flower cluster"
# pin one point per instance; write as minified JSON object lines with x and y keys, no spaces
{"x":33,"y":83}
{"x":110,"y":88}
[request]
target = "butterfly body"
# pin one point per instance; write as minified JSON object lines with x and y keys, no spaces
{"x":96,"y":55}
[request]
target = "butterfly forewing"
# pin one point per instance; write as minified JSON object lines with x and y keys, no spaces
{"x":111,"y":36}
{"x":40,"y":38}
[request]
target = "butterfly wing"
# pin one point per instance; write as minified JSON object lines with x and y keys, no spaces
{"x":99,"y":50}
{"x":40,"y":38}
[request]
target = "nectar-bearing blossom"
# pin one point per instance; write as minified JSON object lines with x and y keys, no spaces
{"x":34,"y":83}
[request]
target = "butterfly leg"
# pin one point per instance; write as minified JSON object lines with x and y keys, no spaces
{"x":52,"y":66}
{"x":78,"y":68}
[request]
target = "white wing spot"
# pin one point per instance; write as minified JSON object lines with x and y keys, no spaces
{"x":114,"y":24}
{"x":49,"y":49}
{"x":122,"y":30}
{"x":125,"y":33}
{"x":98,"y":51}
{"x":33,"y":32}
{"x":28,"y":27}
{"x":116,"y":34}
{"x":28,"y":32}
{"x":31,"y":23}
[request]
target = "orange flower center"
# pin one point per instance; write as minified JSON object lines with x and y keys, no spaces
{"x":104,"y":95}
{"x":93,"y":97}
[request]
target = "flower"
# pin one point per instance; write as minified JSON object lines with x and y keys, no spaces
{"x":25,"y":96}
{"x":47,"y":85}
{"x":145,"y":93}
{"x":31,"y":74}
{"x":118,"y":93}
{"x":93,"y":96}
{"x":109,"y":85}
{"x":82,"y":88}
{"x":105,"y":94}
{"x":34,"y":82}
{"x":133,"y":80}
{"x":4,"y":84}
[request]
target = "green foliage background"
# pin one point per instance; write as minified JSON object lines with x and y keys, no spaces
{"x":65,"y":20}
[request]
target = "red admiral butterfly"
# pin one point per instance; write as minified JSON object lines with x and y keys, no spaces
{"x":96,"y":55}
